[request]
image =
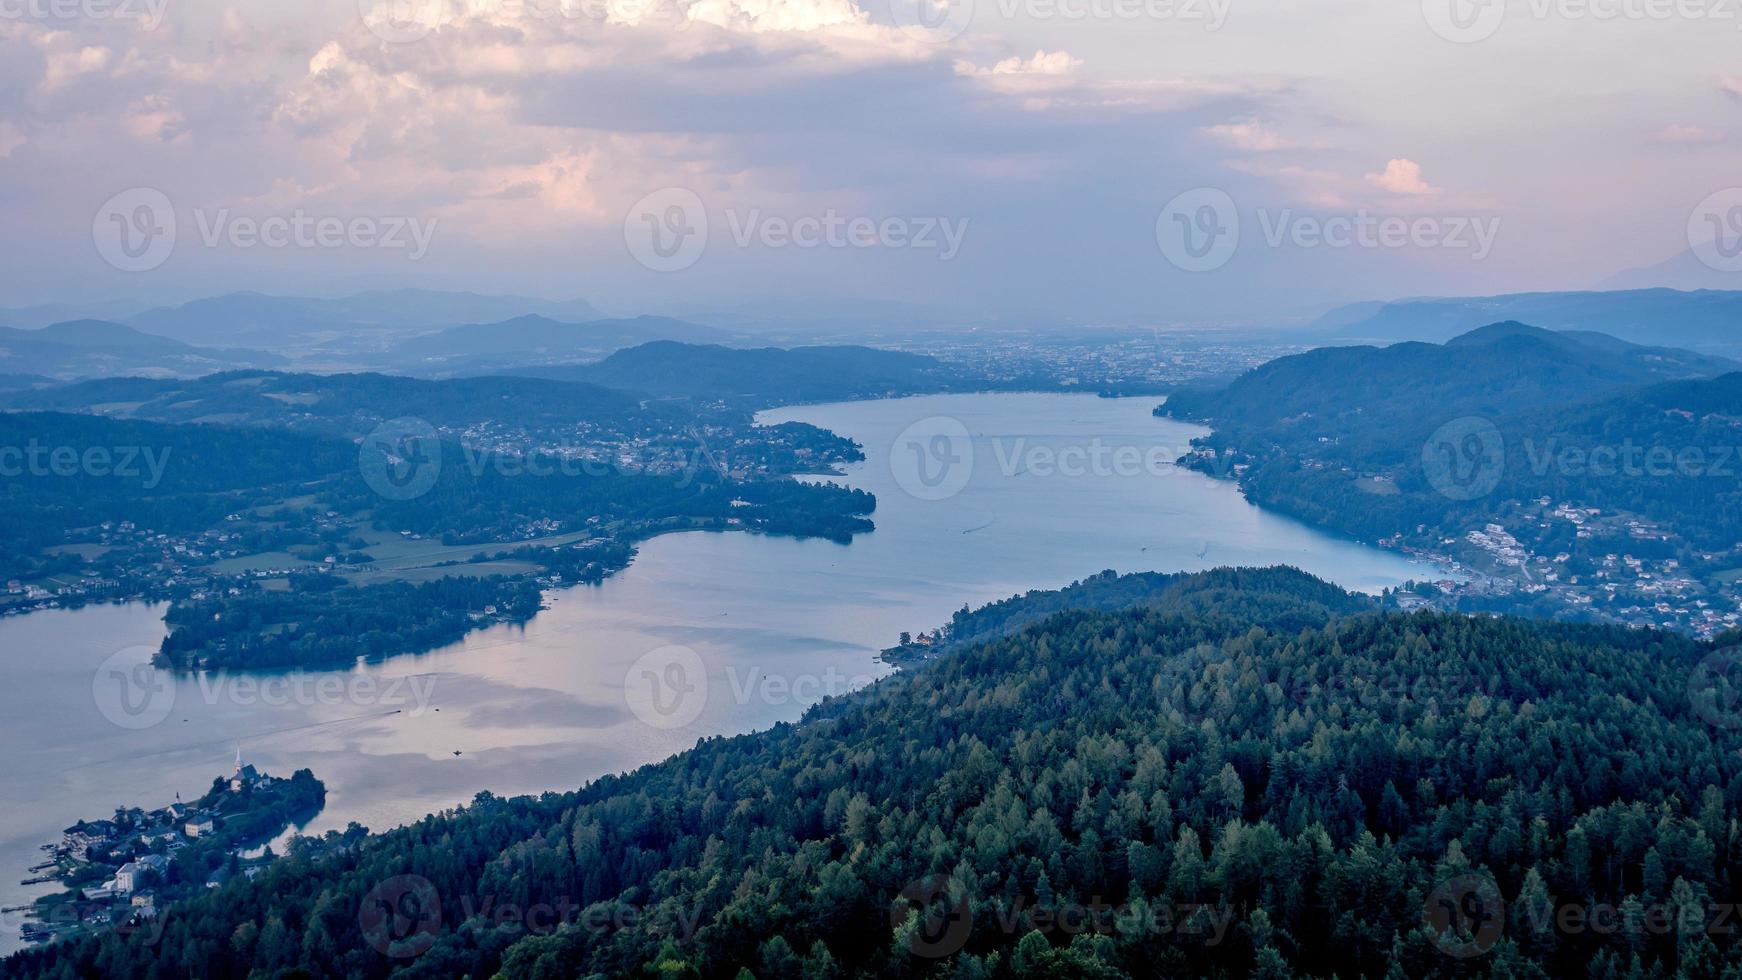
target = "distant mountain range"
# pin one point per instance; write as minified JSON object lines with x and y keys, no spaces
{"x":541,"y":338}
{"x":1703,"y":319}
{"x":1683,"y":270}
{"x":277,"y":320}
{"x":41,"y":315}
{"x":92,"y":348}
{"x":766,"y":375}
{"x":339,"y":404}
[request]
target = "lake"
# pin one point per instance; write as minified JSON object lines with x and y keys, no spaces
{"x":979,"y":497}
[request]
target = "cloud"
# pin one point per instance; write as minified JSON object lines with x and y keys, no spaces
{"x":1250,"y":136}
{"x":1686,"y":134}
{"x":1730,"y":85}
{"x":1402,"y":176}
{"x":1043,"y":63}
{"x":66,"y":65}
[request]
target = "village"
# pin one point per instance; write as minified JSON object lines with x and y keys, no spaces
{"x":1613,"y":567}
{"x":123,"y":869}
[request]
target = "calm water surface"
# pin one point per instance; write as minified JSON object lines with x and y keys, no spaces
{"x":775,"y":624}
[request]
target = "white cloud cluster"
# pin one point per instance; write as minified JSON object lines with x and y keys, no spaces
{"x":529,"y":127}
{"x":1402,"y":176}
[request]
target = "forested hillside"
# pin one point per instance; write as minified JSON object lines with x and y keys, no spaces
{"x":1227,"y":780}
{"x":1373,"y":403}
{"x":1614,"y":488}
{"x":766,"y":375}
{"x":342,"y":404}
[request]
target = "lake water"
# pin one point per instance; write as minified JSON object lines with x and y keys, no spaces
{"x":704,"y":634}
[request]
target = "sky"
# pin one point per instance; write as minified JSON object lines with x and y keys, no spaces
{"x":1158,"y":162}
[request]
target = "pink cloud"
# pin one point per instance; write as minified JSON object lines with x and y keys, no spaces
{"x":1686,"y":134}
{"x":1402,"y":176}
{"x":1249,"y":135}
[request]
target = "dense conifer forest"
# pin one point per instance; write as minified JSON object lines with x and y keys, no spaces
{"x":1229,"y":777}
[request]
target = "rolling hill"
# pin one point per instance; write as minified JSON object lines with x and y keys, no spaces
{"x":1508,"y":426}
{"x":1190,"y":786}
{"x":283,"y":321}
{"x":86,"y":348}
{"x":347,"y":404}
{"x":535,"y":338}
{"x":1368,"y":397}
{"x":767,"y":375}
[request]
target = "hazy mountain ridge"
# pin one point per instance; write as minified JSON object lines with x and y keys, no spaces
{"x":336,"y":403}
{"x":1705,"y":319}
{"x":279,"y":320}
{"x":516,"y":340}
{"x":772,"y":375}
{"x":86,"y":348}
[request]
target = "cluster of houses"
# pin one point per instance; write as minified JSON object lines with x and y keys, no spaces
{"x":97,"y":843}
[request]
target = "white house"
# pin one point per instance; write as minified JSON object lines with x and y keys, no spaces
{"x":133,"y":873}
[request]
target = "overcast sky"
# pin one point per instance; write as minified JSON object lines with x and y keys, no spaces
{"x":1083,"y":159}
